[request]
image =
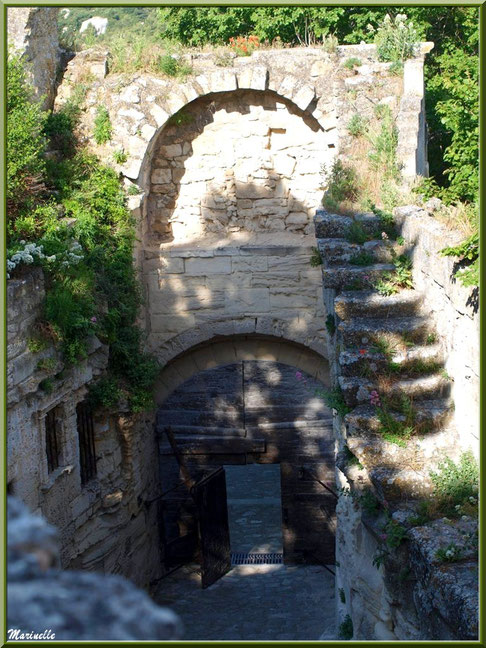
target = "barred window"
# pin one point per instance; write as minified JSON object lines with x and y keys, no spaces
{"x":53,"y":448}
{"x":87,"y":454}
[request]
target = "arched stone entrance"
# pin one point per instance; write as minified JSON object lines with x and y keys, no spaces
{"x":256,"y":401}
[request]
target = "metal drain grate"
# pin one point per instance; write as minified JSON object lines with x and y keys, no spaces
{"x":256,"y":558}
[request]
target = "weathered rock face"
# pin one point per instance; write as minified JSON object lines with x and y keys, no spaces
{"x":72,"y":605}
{"x":104,"y":524}
{"x":454,"y":310}
{"x":32,"y":31}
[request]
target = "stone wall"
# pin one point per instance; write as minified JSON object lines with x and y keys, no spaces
{"x":108,"y":524}
{"x":47,"y":603}
{"x":32,"y":31}
{"x":453,"y":308}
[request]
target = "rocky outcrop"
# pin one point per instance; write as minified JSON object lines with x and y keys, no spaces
{"x":32,"y":31}
{"x":71,"y":605}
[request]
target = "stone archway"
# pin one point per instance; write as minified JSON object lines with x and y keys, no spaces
{"x":248,"y":401}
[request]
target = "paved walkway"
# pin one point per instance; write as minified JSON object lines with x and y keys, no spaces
{"x":254,"y":508}
{"x":253,"y":603}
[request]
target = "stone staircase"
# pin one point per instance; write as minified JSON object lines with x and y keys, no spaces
{"x":383,"y":344}
{"x":388,"y":371}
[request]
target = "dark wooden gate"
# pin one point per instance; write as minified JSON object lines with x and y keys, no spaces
{"x":214,"y":541}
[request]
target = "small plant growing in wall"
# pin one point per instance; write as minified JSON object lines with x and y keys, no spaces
{"x":357,"y":126}
{"x":330,"y":324}
{"x":120,"y":157}
{"x":342,"y":595}
{"x":316,"y":258}
{"x":450,"y":553}
{"x":36,"y":345}
{"x":351,"y":63}
{"x":346,"y":630}
{"x":102,"y":126}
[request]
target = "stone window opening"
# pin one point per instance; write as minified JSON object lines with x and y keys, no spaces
{"x":52,"y":426}
{"x":87,"y":454}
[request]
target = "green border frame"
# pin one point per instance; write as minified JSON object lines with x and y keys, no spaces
{"x":3,"y":294}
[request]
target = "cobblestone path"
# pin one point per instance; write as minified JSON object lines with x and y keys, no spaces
{"x":254,"y":602}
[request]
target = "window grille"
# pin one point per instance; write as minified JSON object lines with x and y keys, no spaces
{"x":52,"y":439}
{"x":87,"y":454}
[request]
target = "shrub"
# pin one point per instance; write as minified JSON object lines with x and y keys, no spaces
{"x":342,"y":183}
{"x":346,"y":628}
{"x":362,"y":258}
{"x":351,"y":63}
{"x":396,"y":40}
{"x":468,"y":254}
{"x":330,"y":324}
{"x":357,"y":234}
{"x":25,"y":142}
{"x":102,"y":126}
{"x":173,"y":67}
{"x":455,"y":483}
{"x":316,"y":259}
{"x":357,"y":125}
{"x":120,"y":157}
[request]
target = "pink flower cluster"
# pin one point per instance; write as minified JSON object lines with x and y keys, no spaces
{"x":375,"y":398}
{"x":298,"y":375}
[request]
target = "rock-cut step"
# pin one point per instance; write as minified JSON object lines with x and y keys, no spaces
{"x":358,"y":390}
{"x":361,"y":303}
{"x":343,"y":276}
{"x":332,"y":226}
{"x":432,"y":413}
{"x":354,"y":363}
{"x":339,"y":251}
{"x":366,"y":331}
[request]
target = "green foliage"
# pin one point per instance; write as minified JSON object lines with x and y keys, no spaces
{"x":105,"y":393}
{"x":395,"y":534}
{"x":391,"y":282}
{"x":91,"y":284}
{"x":46,"y":364}
{"x":102,"y":126}
{"x":342,"y":184}
{"x":346,"y":630}
{"x":450,"y":553}
{"x":47,"y":385}
{"x":369,"y":503}
{"x":316,"y":259}
{"x":357,"y":234}
{"x":334,"y":399}
{"x":468,"y":255}
{"x":342,"y":596}
{"x":351,"y":63}
{"x":392,"y":428}
{"x":362,"y":258}
{"x":384,"y":141}
{"x":173,"y":67}
{"x":455,"y":483}
{"x":120,"y":157}
{"x":396,"y":39}
{"x":330,"y":324}
{"x":36,"y":345}
{"x":357,"y":125}
{"x":431,"y":338}
{"x":25,"y":142}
